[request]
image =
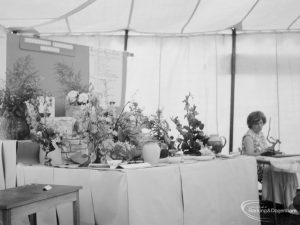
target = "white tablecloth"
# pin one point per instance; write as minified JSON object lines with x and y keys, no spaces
{"x":283,"y":164}
{"x":214,"y":190}
{"x":206,"y":192}
{"x":280,"y":177}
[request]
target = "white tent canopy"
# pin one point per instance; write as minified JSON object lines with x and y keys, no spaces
{"x":149,"y":17}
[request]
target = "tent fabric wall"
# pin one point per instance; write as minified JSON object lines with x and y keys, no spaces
{"x":268,"y":80}
{"x":163,"y":70}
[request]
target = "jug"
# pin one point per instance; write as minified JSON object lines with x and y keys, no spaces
{"x":217,"y":142}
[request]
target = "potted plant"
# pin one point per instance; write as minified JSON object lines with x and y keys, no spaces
{"x":21,"y":87}
{"x":159,"y":129}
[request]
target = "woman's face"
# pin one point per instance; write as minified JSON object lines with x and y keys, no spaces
{"x":257,"y":127}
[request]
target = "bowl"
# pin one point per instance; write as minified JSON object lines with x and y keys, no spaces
{"x":113,"y":163}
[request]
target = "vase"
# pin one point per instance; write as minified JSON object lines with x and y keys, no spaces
{"x":18,"y":129}
{"x":96,"y":155}
{"x":217,"y":142}
{"x":151,"y":152}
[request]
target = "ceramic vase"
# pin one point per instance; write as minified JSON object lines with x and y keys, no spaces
{"x":151,"y":152}
{"x":217,"y":142}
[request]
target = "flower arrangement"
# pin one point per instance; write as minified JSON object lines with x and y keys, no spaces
{"x":43,"y":132}
{"x":110,"y":135}
{"x":22,"y":86}
{"x":159,"y":129}
{"x":76,"y":98}
{"x":192,"y":135}
{"x":47,"y":137}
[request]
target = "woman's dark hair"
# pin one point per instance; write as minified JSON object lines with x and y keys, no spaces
{"x":255,"y":117}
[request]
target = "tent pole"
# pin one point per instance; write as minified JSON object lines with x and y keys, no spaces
{"x":126,"y":40}
{"x":233,"y":61}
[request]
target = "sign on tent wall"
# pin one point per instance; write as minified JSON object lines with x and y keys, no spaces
{"x":45,"y":56}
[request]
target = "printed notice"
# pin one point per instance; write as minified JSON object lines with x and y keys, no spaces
{"x":107,"y":75}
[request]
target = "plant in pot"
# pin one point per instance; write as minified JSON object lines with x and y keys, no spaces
{"x":192,"y":134}
{"x":159,"y":129}
{"x":21,"y":87}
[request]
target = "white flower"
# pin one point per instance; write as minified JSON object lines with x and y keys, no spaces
{"x":39,"y":134}
{"x":83,"y":98}
{"x":72,"y":96}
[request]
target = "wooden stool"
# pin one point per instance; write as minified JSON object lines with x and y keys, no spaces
{"x":30,"y":199}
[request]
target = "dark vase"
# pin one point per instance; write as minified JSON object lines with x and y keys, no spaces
{"x":19,"y":129}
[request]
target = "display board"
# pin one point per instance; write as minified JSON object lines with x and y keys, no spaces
{"x":45,"y":55}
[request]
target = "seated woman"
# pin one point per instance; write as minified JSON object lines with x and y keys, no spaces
{"x":254,"y":143}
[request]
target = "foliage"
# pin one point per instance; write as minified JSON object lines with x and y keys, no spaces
{"x":48,"y":138}
{"x":159,"y":129}
{"x":129,"y":124}
{"x":109,"y":134}
{"x":191,"y":134}
{"x":41,"y":131}
{"x":22,"y":86}
{"x":69,"y":79}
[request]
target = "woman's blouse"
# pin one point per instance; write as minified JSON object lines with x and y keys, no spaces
{"x":259,"y":141}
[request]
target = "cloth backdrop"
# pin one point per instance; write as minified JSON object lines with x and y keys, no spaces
{"x":165,"y":69}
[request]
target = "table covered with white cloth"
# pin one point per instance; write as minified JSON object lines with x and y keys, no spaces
{"x":280,"y":178}
{"x":203,"y":192}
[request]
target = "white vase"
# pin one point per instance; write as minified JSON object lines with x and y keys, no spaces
{"x":151,"y":152}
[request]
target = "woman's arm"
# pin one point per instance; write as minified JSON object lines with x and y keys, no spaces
{"x":249,"y":147}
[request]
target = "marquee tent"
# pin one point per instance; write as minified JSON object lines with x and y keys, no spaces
{"x":149,"y":17}
{"x":183,"y":46}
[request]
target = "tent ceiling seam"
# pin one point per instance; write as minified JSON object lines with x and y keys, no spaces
{"x":73,"y":11}
{"x":293,"y":22}
{"x":191,"y":16}
{"x":248,"y":13}
{"x":130,"y":14}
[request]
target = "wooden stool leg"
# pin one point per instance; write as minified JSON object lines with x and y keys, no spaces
{"x":6,"y":217}
{"x":32,"y":219}
{"x":76,"y":216}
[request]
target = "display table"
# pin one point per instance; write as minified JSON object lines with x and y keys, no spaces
{"x":284,"y":163}
{"x":204,"y":192}
{"x":30,"y":199}
{"x":280,"y":180}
